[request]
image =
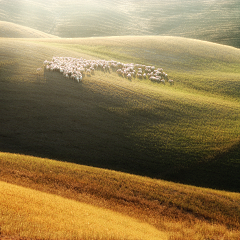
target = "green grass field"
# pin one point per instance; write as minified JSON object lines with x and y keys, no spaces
{"x":186,"y":133}
{"x":168,"y":132}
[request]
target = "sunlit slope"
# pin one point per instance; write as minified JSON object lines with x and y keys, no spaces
{"x":170,"y":132}
{"x":180,"y":211}
{"x":31,"y":213}
{"x":194,"y":64}
{"x":12,"y":30}
{"x":216,"y":21}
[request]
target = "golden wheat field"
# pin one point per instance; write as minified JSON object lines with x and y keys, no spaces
{"x":46,"y":199}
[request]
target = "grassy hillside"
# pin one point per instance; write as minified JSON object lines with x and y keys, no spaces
{"x":11,"y":30}
{"x":215,"y":21}
{"x":54,"y":199}
{"x":46,"y":216}
{"x":188,"y":132}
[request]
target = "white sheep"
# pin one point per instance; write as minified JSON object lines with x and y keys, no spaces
{"x":162,"y":81}
{"x":76,"y":69}
{"x":39,"y":71}
{"x":88,"y":71}
{"x":129,"y":76}
{"x":171,"y":82}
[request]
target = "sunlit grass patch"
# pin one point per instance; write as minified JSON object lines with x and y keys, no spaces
{"x":29,"y":213}
{"x":12,"y":30}
{"x":178,"y":210}
{"x":99,"y":51}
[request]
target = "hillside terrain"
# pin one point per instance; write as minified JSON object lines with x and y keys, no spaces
{"x":134,"y":158}
{"x":215,"y":21}
{"x":11,"y":30}
{"x":47,"y":199}
{"x":188,"y":132}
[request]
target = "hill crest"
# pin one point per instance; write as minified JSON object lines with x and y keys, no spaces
{"x":214,"y":21}
{"x":12,"y":30}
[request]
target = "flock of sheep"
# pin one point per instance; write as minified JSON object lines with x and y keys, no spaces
{"x":76,"y":69}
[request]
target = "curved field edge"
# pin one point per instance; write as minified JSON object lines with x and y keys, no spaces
{"x":13,"y":30}
{"x":34,"y":214}
{"x":178,"y":210}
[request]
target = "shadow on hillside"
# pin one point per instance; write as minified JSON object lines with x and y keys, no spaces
{"x":222,"y":172}
{"x":61,"y":119}
{"x":58,"y":118}
{"x":53,"y":77}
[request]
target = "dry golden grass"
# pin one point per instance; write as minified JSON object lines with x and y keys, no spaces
{"x":33,"y":214}
{"x":180,"y":211}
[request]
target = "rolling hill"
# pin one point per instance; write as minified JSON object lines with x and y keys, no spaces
{"x":66,"y":219}
{"x":215,"y":21}
{"x":116,"y":141}
{"x":140,"y":127}
{"x":47,"y":199}
{"x":11,"y":30}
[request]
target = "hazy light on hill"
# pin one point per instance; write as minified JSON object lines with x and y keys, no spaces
{"x":211,"y":20}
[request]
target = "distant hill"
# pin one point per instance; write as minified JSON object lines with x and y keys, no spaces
{"x":12,"y":30}
{"x":215,"y":21}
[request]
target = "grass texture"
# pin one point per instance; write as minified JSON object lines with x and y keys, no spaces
{"x":188,"y":132}
{"x":48,"y":199}
{"x":34,"y":214}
